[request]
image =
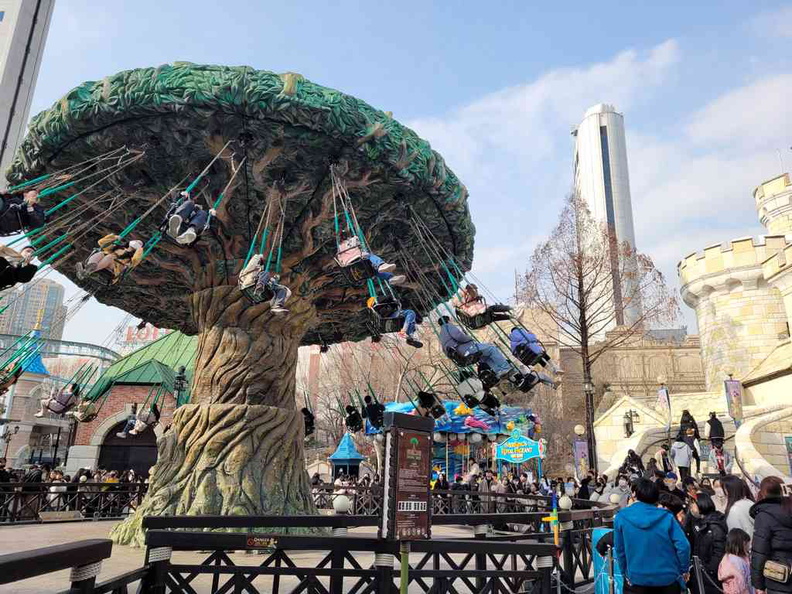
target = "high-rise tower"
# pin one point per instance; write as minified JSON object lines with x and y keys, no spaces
{"x":603,"y":181}
{"x":23,"y":32}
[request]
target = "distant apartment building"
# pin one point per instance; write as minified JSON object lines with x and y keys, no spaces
{"x":23,"y":31}
{"x":38,"y":303}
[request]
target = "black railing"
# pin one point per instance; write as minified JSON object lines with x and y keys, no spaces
{"x":27,"y":503}
{"x":434,"y":565}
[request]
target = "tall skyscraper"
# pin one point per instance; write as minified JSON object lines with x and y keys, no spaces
{"x":603,"y":181}
{"x":23,"y":31}
{"x":40,"y":302}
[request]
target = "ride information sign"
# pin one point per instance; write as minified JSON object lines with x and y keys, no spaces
{"x":413,"y":497}
{"x":407,"y":497}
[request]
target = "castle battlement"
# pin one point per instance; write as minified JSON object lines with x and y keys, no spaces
{"x":774,"y":204}
{"x":738,"y":260}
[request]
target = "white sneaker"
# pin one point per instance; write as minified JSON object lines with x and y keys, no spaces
{"x":398,"y":280}
{"x":122,"y":435}
{"x":386,"y":268}
{"x":39,"y":415}
{"x":133,"y":432}
{"x":187,"y":237}
{"x":80,"y":270}
{"x":173,"y":225}
{"x":277,"y":309}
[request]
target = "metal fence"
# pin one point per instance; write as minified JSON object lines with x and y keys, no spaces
{"x":27,"y":503}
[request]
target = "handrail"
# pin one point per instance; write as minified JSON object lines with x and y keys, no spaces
{"x":36,"y":562}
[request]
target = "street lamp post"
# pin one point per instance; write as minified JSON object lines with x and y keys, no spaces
{"x":588,"y":389}
{"x":7,"y":438}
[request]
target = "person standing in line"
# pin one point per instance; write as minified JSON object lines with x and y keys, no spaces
{"x":720,"y":461}
{"x":650,"y":545}
{"x":738,"y":504}
{"x":734,"y":570}
{"x":708,"y":541}
{"x":714,"y":430}
{"x":771,"y":555}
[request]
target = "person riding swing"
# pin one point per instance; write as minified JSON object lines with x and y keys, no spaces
{"x":260,"y":285}
{"x":473,"y":311}
{"x":526,"y":347}
{"x":59,"y":401}
{"x":187,"y":220}
{"x":15,"y":267}
{"x":351,"y":255}
{"x":353,"y":421}
{"x":113,"y":253}
{"x":388,"y":308}
{"x":84,"y":412}
{"x":21,"y":212}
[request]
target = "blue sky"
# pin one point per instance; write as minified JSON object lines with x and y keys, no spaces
{"x":495,"y":88}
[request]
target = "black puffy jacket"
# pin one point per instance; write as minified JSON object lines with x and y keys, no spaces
{"x":772,"y":540}
{"x":708,"y":543}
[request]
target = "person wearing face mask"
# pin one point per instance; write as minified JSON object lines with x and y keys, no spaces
{"x":622,"y":489}
{"x":719,"y":497}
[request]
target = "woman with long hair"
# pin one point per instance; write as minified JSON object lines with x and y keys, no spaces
{"x":771,"y":554}
{"x":738,"y":503}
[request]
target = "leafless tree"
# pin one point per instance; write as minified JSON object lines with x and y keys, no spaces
{"x":587,"y":283}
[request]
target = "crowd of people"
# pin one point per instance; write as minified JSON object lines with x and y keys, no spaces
{"x":741,"y":543}
{"x":40,"y":488}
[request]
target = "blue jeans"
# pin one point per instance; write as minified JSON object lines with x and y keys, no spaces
{"x":376,"y":261}
{"x":492,"y":357}
{"x":409,"y":321}
{"x":192,"y":216}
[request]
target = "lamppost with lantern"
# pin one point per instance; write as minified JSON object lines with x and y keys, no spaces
{"x":7,"y":438}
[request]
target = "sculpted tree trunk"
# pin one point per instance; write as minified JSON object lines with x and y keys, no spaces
{"x":237,"y":449}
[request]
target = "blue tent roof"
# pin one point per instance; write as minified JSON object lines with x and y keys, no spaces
{"x":346,"y":451}
{"x":454,"y":423}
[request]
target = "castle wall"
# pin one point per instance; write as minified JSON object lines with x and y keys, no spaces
{"x":740,"y":316}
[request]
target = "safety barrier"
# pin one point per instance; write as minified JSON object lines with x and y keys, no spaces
{"x":30,"y":503}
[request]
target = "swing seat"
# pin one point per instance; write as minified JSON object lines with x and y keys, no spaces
{"x":474,"y":322}
{"x":60,"y":405}
{"x":526,"y":356}
{"x":462,"y":360}
{"x":359,"y":271}
{"x":487,"y":377}
{"x":266,"y":295}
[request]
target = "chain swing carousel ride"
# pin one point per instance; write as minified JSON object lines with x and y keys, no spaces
{"x":276,"y":146}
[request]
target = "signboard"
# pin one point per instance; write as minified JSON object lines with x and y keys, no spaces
{"x":407,"y":501}
{"x":518,"y":448}
{"x":136,"y":336}
{"x":580,"y":452}
{"x":734,"y":400}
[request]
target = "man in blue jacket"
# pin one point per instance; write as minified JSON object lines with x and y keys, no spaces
{"x":650,"y":545}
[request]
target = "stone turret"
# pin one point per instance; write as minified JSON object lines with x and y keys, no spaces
{"x":741,"y":317}
{"x":774,"y":204}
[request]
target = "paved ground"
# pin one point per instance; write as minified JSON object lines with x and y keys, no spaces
{"x":21,"y":538}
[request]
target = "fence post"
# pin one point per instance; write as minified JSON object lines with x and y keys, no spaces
{"x":83,"y":578}
{"x":158,"y":560}
{"x":545,"y":565}
{"x":697,"y":569}
{"x":383,"y":562}
{"x":568,"y":570}
{"x":480,"y":533}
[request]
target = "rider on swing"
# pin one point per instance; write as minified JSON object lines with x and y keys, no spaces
{"x":349,"y":252}
{"x":188,"y":220}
